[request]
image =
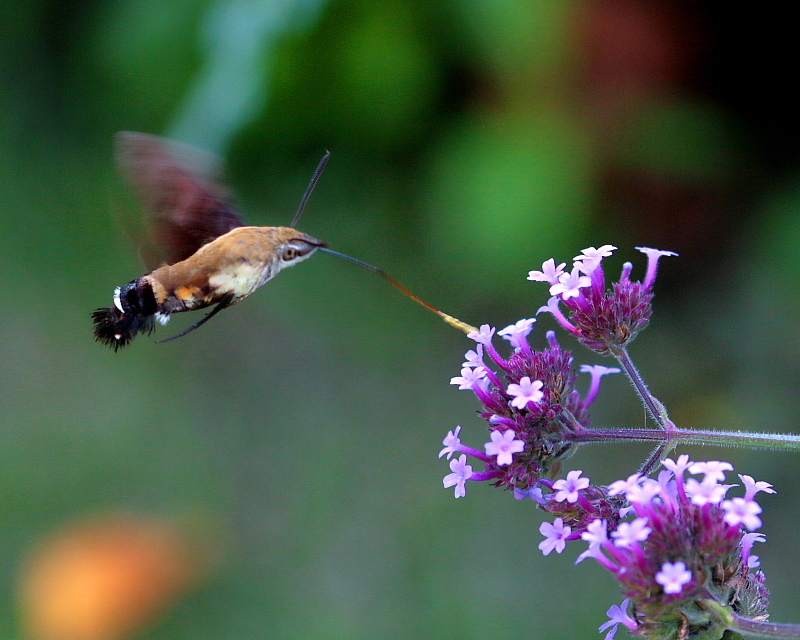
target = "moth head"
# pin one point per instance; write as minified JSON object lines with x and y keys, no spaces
{"x":297,"y":249}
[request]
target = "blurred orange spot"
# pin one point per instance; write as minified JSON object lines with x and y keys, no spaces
{"x":183,"y":293}
{"x":104,"y":577}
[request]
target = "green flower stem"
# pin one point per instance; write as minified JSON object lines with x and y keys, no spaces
{"x":775,"y":441}
{"x":752,"y":628}
{"x":654,"y":406}
{"x":670,"y":435}
{"x":758,"y":629}
{"x":656,"y":457}
{"x":768,"y":630}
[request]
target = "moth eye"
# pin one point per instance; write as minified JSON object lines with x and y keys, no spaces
{"x":296,"y":250}
{"x":289,"y":254}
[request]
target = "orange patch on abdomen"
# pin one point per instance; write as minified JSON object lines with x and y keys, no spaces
{"x":184,"y":293}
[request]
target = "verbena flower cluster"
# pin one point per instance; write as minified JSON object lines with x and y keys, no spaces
{"x":532,"y":410}
{"x":600,"y":318}
{"x":531,"y":403}
{"x":680,"y":549}
{"x":674,"y":545}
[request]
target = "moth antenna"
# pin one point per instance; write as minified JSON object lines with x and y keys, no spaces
{"x":224,"y":303}
{"x":453,"y":322}
{"x":310,"y":188}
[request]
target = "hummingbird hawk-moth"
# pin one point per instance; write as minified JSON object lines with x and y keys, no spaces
{"x":212,"y":259}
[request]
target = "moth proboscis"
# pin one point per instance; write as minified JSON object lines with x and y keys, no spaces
{"x":212,"y":259}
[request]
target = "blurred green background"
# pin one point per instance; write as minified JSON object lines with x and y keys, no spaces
{"x":292,"y":441}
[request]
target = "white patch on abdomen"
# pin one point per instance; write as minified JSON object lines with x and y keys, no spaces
{"x":240,"y":280}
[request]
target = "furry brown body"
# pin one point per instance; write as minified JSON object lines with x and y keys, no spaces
{"x":210,"y":257}
{"x":220,"y":273}
{"x":235,"y":265}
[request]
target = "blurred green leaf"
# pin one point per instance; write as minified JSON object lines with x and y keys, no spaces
{"x":506,"y":191}
{"x":688,"y":139}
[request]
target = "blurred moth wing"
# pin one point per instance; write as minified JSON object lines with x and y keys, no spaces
{"x":178,"y":187}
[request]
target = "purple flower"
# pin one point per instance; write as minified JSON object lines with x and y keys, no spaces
{"x":517,"y":333}
{"x":469,"y":377}
{"x":555,"y":536}
{"x":589,"y":259}
{"x":706,"y":492}
{"x":532,"y":394}
{"x":569,"y":285}
{"x":688,"y":519}
{"x":752,"y":487}
{"x":483,"y":335}
{"x":596,"y":533}
{"x":603,"y":319}
{"x":597,"y":371}
{"x":748,"y":540}
{"x":629,"y":533}
{"x":620,"y":487}
{"x":678,"y":467}
{"x":452,"y":443}
{"x":461,"y":473}
{"x":534,"y":493}
{"x":618,"y":615}
{"x":524,"y":392}
{"x":679,"y":549}
{"x":552,"y":307}
{"x":714,"y":470}
{"x":503,"y":445}
{"x":643,"y":492}
{"x":474,"y":358}
{"x":549,"y":273}
{"x":569,"y":489}
{"x":673,"y":577}
{"x":653,"y":256}
{"x":740,"y":511}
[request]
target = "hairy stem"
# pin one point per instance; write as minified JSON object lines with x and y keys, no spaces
{"x":767,"y":630}
{"x":775,"y":441}
{"x":654,"y":406}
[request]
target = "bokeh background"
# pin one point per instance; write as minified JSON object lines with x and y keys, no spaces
{"x":274,"y":474}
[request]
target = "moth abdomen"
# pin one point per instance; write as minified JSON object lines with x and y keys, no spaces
{"x":134,"y":311}
{"x":117,"y":329}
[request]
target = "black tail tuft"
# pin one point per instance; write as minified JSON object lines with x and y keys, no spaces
{"x":116,"y":329}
